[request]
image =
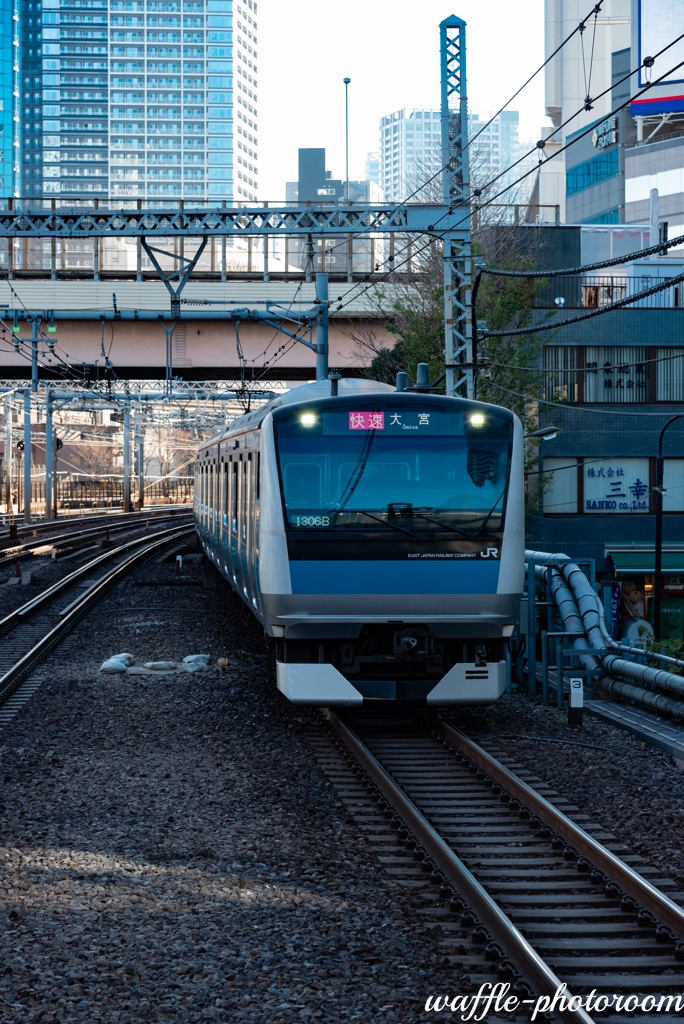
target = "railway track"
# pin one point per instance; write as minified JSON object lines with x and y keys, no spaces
{"x":30,"y":632}
{"x":44,"y":537}
{"x":525,"y":889}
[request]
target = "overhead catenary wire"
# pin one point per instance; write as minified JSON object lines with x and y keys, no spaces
{"x":651,"y":250}
{"x":578,"y":28}
{"x":576,"y":138}
{"x":600,"y":458}
{"x":576,"y":408}
{"x":618,"y":304}
{"x":561,"y":371}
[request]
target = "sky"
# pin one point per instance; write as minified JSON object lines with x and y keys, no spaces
{"x":390,"y":50}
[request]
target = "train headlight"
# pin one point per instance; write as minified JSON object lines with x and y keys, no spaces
{"x":477,"y":420}
{"x":308,"y":419}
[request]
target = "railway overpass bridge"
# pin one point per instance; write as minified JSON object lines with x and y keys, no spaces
{"x":126,"y":326}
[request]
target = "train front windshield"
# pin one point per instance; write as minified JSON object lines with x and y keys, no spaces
{"x":413,"y":468}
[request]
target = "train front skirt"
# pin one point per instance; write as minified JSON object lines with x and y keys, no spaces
{"x":322,"y":685}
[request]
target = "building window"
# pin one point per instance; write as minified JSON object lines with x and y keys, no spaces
{"x":616,"y":485}
{"x":609,"y":217}
{"x":615,"y":373}
{"x":560,"y":362}
{"x":670,"y":375}
{"x":611,"y":486}
{"x":673,"y":482}
{"x":560,"y":486}
{"x":591,"y":172}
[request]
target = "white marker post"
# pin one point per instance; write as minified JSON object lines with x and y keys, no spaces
{"x":576,"y":703}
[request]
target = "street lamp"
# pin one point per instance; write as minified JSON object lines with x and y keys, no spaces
{"x":547,"y":433}
{"x":658,"y":490}
{"x":346,"y":132}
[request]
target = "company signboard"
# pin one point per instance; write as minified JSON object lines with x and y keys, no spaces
{"x":656,"y":23}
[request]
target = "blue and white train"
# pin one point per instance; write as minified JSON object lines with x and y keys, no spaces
{"x":378,"y":537}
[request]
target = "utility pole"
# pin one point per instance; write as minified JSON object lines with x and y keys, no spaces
{"x":346,"y":135}
{"x":34,"y":354}
{"x":458,"y":339}
{"x":140,"y":442}
{"x":127,"y":455}
{"x":27,"y":455}
{"x":8,"y":455}
{"x":658,"y":494}
{"x":49,"y":457}
{"x":322,"y":327}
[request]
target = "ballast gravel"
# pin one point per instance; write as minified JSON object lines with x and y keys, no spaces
{"x":172,"y":852}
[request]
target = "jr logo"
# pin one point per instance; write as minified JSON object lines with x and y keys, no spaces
{"x":490,"y":553}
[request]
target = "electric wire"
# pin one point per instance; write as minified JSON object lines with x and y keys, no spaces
{"x":576,"y":138}
{"x":574,"y":408}
{"x":652,"y":250}
{"x":618,"y":304}
{"x":561,"y":371}
{"x":601,"y":458}
{"x":578,"y":28}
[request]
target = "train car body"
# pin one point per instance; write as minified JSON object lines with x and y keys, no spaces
{"x":378,"y":537}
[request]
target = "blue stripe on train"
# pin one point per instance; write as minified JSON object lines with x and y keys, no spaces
{"x":384,"y":577}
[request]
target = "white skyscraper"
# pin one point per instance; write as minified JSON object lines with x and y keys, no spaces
{"x":494,"y":146}
{"x":246,"y":139}
{"x":411,"y":152}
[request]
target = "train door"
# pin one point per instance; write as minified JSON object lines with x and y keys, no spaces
{"x":225,"y":528}
{"x":249,"y":522}
{"x":203,"y":497}
{"x":234,"y":515}
{"x":242,"y":524}
{"x":254,"y":524}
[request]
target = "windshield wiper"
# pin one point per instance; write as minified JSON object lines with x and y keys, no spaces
{"x":405,"y":508}
{"x":490,"y":513}
{"x":444,"y":526}
{"x":392,"y":526}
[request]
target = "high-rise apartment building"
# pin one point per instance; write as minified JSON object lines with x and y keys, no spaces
{"x":9,"y":97}
{"x":494,"y":146}
{"x":411,"y":151}
{"x":135,"y":98}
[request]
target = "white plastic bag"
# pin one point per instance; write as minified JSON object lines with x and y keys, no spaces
{"x":161,"y":666}
{"x":128,"y":659}
{"x":113,"y":666}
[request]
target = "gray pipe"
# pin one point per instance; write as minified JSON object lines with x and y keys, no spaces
{"x":656,"y":701}
{"x":580,"y":600}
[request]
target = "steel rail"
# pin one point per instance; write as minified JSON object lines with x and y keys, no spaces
{"x":21,"y":550}
{"x":652,"y":899}
{"x":73,"y":576}
{"x":11,"y":679}
{"x":543,"y":979}
{"x":45,"y":525}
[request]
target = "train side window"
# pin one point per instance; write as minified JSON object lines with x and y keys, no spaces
{"x":258,"y":477}
{"x":243,"y":500}
{"x":225,"y":493}
{"x":234,"y":496}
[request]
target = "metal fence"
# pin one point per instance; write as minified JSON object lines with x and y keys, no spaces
{"x":74,"y":495}
{"x":594,"y":292}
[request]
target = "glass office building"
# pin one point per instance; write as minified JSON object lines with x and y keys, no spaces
{"x":135,"y":99}
{"x":9,"y":84}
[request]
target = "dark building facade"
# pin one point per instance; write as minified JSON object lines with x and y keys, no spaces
{"x":611,"y":384}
